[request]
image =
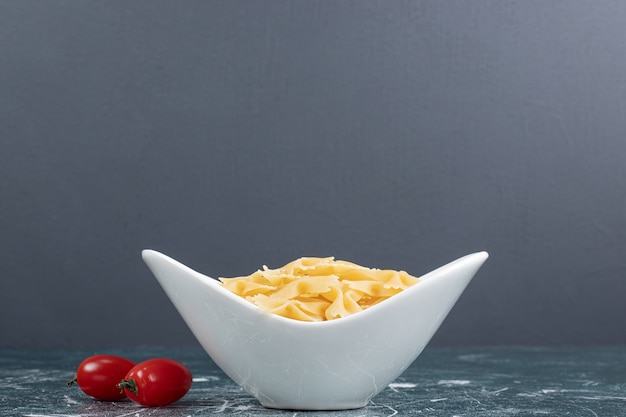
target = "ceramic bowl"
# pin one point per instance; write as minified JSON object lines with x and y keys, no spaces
{"x":329,"y":365}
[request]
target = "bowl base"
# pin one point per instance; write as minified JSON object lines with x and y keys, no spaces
{"x":325,"y":407}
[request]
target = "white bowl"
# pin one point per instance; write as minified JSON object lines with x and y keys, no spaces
{"x":329,"y":365}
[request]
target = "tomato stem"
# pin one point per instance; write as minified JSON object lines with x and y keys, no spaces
{"x":129,"y":384}
{"x":73,"y":380}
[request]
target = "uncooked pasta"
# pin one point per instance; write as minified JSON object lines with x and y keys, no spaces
{"x":318,"y":289}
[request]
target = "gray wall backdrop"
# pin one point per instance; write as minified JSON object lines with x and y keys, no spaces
{"x":232,"y":134}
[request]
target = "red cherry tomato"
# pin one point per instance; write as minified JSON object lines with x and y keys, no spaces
{"x":97,"y":376}
{"x":157,"y":382}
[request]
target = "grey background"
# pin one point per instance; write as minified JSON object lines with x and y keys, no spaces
{"x":232,"y":134}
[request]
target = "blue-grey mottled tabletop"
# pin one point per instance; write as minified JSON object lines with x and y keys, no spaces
{"x":505,"y":381}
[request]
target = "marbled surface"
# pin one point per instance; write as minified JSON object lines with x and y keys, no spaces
{"x":442,"y":382}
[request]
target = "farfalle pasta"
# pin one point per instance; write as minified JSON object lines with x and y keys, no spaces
{"x":318,"y":289}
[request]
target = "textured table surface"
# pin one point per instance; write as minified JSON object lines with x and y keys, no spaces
{"x":442,"y":382}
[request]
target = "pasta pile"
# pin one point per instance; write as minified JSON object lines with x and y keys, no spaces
{"x":318,"y":289}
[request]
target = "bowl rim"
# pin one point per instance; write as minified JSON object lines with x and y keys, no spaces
{"x":480,"y":256}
